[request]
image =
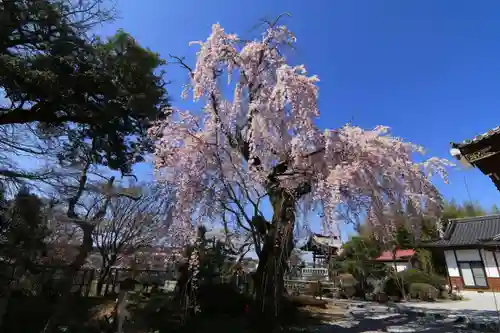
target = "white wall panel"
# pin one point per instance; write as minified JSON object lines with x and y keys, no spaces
{"x":451,"y":263}
{"x":490,"y":265}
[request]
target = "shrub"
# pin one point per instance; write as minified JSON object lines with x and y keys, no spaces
{"x":412,"y":276}
{"x":392,"y":286}
{"x":222,"y":299}
{"x":423,"y":292}
{"x":348,"y":291}
{"x":346,"y":280}
{"x":347,"y":285}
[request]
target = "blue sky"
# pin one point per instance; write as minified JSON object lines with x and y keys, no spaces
{"x":428,"y":69}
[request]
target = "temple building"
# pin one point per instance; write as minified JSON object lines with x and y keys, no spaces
{"x":471,"y":245}
{"x":322,"y":248}
{"x":481,"y":152}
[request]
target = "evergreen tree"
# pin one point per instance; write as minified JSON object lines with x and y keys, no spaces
{"x":23,"y":229}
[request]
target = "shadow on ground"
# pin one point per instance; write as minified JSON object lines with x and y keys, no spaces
{"x":478,"y":315}
{"x":367,"y":318}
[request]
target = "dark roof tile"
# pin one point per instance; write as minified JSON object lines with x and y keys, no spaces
{"x":470,"y":231}
{"x":478,"y":138}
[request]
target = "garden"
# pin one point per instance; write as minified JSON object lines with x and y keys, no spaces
{"x":82,"y":114}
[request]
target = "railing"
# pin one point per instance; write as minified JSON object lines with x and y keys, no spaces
{"x":316,"y":273}
{"x":315,"y":288}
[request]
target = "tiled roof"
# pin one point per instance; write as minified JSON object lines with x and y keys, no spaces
{"x":331,"y":241}
{"x":478,"y":138}
{"x":470,"y":231}
{"x":317,"y":241}
{"x":400,"y":254}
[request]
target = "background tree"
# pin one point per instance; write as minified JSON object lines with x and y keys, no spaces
{"x":128,"y":226}
{"x":63,"y":87}
{"x":495,"y":209}
{"x":357,"y":258}
{"x":262,"y":144}
{"x":216,"y":258}
{"x":23,"y":229}
{"x":79,"y":103}
{"x":454,"y":210}
{"x":407,"y":237}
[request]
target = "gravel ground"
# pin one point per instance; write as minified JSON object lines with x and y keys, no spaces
{"x":366,"y":317}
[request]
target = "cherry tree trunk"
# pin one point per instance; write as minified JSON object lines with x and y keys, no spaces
{"x":277,"y":248}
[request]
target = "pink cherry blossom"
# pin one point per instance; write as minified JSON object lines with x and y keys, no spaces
{"x":260,"y":132}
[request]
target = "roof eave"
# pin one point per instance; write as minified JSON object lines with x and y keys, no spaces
{"x":451,"y":245}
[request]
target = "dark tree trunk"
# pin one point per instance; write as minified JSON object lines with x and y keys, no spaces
{"x":103,"y":275}
{"x":397,"y":277}
{"x":67,"y":282}
{"x":105,"y":271}
{"x":277,"y":248}
{"x":6,"y":290}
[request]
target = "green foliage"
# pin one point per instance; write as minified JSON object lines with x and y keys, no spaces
{"x":453,"y":210}
{"x":403,"y":238}
{"x":214,"y":258}
{"x":23,"y":228}
{"x":392,"y":286}
{"x":423,"y":292}
{"x":361,"y":248}
{"x":412,"y":276}
{"x":357,"y":258}
{"x":348,"y":285}
{"x":409,"y":277}
{"x":425,"y":260}
{"x":103,"y":93}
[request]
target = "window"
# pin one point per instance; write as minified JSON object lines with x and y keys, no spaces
{"x":473,"y":274}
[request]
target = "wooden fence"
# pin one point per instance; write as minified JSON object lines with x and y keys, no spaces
{"x":146,"y":278}
{"x":43,"y":279}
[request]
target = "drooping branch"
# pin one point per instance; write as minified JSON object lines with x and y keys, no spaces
{"x":266,"y":138}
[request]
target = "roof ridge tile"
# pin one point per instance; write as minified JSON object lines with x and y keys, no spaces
{"x":476,"y":218}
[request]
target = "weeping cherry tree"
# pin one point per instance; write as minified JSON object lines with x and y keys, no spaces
{"x":256,"y":139}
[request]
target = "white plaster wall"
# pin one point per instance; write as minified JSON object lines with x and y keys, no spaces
{"x":451,"y":263}
{"x":468,"y":255}
{"x":490,"y":265}
{"x":497,"y":257}
{"x":400,"y":266}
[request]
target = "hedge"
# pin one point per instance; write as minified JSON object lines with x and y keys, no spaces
{"x":423,"y":292}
